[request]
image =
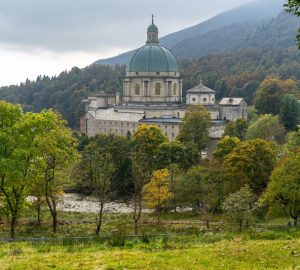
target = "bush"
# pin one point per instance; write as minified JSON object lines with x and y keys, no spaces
{"x":117,"y":239}
{"x":145,"y":237}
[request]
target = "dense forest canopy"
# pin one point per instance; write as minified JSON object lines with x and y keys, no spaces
{"x":235,"y":74}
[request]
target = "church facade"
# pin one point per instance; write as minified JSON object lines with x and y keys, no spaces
{"x":152,"y":94}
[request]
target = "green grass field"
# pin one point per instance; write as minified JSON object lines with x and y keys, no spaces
{"x":188,"y":247}
{"x":175,"y":254}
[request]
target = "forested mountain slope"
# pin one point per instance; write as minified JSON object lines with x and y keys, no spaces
{"x":279,"y":32}
{"x":235,"y":74}
{"x":254,"y":11}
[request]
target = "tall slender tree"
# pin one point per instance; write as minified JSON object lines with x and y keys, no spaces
{"x":290,"y":112}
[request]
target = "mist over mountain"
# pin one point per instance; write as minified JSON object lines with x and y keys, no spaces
{"x":232,"y":21}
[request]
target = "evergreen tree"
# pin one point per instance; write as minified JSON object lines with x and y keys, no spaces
{"x":289,"y":112}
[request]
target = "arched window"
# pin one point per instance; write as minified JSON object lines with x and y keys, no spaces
{"x":175,"y":89}
{"x":137,"y":89}
{"x":157,"y":88}
{"x":204,"y":99}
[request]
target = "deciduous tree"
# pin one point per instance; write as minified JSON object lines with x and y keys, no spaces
{"x":145,"y":142}
{"x":57,"y":149}
{"x":251,"y":162}
{"x":237,"y":129}
{"x":102,"y":174}
{"x":270,"y":93}
{"x":267,"y":127}
{"x":239,"y":206}
{"x":225,"y":146}
{"x":194,"y":127}
{"x":284,"y":186}
{"x":21,"y":135}
{"x":157,"y":192}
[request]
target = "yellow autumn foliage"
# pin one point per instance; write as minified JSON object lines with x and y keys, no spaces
{"x":156,"y":193}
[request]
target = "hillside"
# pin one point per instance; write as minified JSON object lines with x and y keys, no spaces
{"x":252,"y":12}
{"x":228,"y":74}
{"x":279,"y":32}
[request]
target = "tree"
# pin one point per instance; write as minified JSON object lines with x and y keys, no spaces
{"x":102,"y":174}
{"x":249,"y":90}
{"x":240,"y":206}
{"x":141,"y":176}
{"x":197,"y":188}
{"x":252,"y":114}
{"x":191,"y":156}
{"x":21,"y":135}
{"x":237,"y":129}
{"x":221,"y":88}
{"x":251,"y":162}
{"x":38,"y":198}
{"x":192,"y":188}
{"x":293,"y":6}
{"x":283,"y":189}
{"x":57,"y":149}
{"x":270,"y":93}
{"x":194,"y":127}
{"x":225,"y":146}
{"x":118,"y":147}
{"x":144,"y":142}
{"x":293,"y":140}
{"x":290,"y":112}
{"x":267,"y":127}
{"x":169,"y":153}
{"x":156,"y":193}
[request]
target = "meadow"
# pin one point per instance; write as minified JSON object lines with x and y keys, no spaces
{"x":180,"y":241}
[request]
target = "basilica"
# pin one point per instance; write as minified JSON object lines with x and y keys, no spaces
{"x":152,"y":94}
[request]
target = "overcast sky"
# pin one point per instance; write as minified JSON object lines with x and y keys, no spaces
{"x":49,"y":36}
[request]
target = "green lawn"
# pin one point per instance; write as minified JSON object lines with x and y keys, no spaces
{"x":191,"y":247}
{"x":176,"y":254}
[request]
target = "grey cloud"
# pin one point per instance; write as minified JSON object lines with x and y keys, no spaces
{"x":94,"y":25}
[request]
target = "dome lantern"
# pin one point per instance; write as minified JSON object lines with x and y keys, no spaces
{"x":152,"y":33}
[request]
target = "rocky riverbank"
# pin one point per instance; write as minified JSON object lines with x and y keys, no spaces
{"x":73,"y":202}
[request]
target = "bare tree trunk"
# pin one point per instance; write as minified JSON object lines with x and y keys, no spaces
{"x":241,"y":225}
{"x":207,"y":223}
{"x":38,"y":209}
{"x":137,"y":211}
{"x":13,"y":208}
{"x":13,"y":223}
{"x":295,"y":221}
{"x":52,"y":207}
{"x":158,"y":215}
{"x":100,"y":218}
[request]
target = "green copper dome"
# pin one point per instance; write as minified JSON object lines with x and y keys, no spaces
{"x":152,"y":28}
{"x":153,"y":58}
